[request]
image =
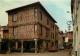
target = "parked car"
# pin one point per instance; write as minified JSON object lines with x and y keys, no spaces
{"x":51,"y":49}
{"x":32,"y":49}
{"x":61,"y":48}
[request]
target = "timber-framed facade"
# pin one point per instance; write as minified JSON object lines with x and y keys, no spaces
{"x":32,"y":23}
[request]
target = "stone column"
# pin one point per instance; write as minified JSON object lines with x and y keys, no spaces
{"x":16,"y":45}
{"x":21,"y":46}
{"x":35,"y":45}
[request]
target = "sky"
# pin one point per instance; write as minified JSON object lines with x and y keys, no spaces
{"x":56,"y":8}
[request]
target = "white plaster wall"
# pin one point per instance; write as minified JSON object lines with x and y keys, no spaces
{"x":66,"y":39}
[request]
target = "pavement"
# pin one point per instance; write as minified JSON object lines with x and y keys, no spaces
{"x":59,"y":53}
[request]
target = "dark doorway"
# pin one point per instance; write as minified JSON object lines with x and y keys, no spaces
{"x":29,"y":46}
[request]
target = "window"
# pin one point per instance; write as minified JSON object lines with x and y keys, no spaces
{"x":40,"y":30}
{"x":5,"y":37}
{"x":40,"y":15}
{"x":47,"y":21}
{"x":51,"y":25}
{"x":47,"y":32}
{"x":52,"y":44}
{"x":55,"y":36}
{"x":51,"y":34}
{"x":70,"y":40}
{"x":35,"y":29}
{"x":15,"y":31}
{"x":14,"y":17}
{"x":35,"y":12}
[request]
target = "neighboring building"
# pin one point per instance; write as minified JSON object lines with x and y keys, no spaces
{"x":75,"y":10}
{"x":0,"y":37}
{"x":1,"y":32}
{"x":65,"y":36}
{"x":56,"y":35}
{"x":66,"y":39}
{"x":4,"y":33}
{"x":70,"y":37}
{"x":60,"y":39}
{"x":32,"y":24}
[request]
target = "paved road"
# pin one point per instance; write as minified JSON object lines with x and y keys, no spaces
{"x":59,"y":53}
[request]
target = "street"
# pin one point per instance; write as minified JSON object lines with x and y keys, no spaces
{"x":59,"y":53}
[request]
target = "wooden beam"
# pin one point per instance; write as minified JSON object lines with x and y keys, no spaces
{"x":16,"y":45}
{"x":35,"y":45}
{"x":0,"y":45}
{"x":22,"y":46}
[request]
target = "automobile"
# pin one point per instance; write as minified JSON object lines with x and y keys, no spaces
{"x":53,"y":49}
{"x":33,"y":50}
{"x":61,"y":48}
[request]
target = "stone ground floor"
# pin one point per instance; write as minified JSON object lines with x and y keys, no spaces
{"x":59,"y":53}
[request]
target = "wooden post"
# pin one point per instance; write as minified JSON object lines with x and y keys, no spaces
{"x":43,"y":45}
{"x":0,"y":45}
{"x":9,"y":49}
{"x":54,"y":36}
{"x":16,"y":45}
{"x":21,"y":46}
{"x":0,"y":42}
{"x":35,"y":45}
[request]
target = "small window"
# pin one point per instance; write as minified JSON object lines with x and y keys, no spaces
{"x":35,"y":12}
{"x":15,"y":17}
{"x":55,"y":36}
{"x":52,"y":43}
{"x":51,"y":34}
{"x":47,"y":32}
{"x":70,"y":40}
{"x":47,"y":21}
{"x":51,"y":25}
{"x":40,"y":30}
{"x":40,"y":15}
{"x":15,"y":31}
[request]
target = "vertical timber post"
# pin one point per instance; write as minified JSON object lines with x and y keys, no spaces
{"x":54,"y":36}
{"x":35,"y":45}
{"x":0,"y":45}
{"x":21,"y":46}
{"x":16,"y":45}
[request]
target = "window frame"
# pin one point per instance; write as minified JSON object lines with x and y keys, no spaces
{"x":14,"y":29}
{"x":35,"y":12}
{"x":41,"y":32}
{"x":14,"y":16}
{"x":40,"y":15}
{"x":47,"y":21}
{"x":47,"y":32}
{"x":51,"y":35}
